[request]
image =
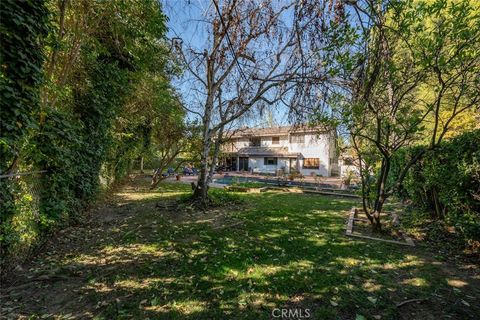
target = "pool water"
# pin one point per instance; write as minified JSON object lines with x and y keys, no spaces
{"x":229,"y":180}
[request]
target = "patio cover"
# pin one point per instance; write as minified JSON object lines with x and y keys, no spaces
{"x":279,"y":152}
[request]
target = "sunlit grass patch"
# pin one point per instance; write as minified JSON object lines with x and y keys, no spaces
{"x":118,"y":254}
{"x":370,"y":286}
{"x":186,"y":308}
{"x":100,"y":287}
{"x":142,"y":196}
{"x":142,"y":283}
{"x":417,"y":282}
{"x":408,"y":261}
{"x":274,"y":250}
{"x":257,"y":300}
{"x":457,"y":283}
{"x":350,"y":261}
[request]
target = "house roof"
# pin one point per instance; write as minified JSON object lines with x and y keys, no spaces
{"x":266,"y":151}
{"x":274,"y":131}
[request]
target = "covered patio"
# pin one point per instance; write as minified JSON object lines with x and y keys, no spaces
{"x":261,"y":160}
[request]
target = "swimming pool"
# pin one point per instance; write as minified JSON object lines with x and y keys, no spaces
{"x":234,"y":179}
{"x":228,"y":180}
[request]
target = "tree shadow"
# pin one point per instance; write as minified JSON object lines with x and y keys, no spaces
{"x":289,"y":252}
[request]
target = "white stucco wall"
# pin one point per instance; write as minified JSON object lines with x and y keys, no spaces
{"x":242,"y":143}
{"x":315,"y":146}
{"x":264,"y":142}
{"x":267,"y":142}
{"x":257,"y":164}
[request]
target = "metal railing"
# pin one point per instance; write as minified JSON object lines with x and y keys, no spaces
{"x":19,"y":174}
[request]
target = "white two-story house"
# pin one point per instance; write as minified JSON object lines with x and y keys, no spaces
{"x":289,"y":148}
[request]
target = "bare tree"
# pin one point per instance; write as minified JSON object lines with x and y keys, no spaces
{"x":252,"y":56}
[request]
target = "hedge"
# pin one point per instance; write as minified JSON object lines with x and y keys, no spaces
{"x":446,"y":182}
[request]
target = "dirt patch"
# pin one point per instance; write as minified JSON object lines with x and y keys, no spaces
{"x":390,"y":232}
{"x":72,"y":270}
{"x":140,"y":247}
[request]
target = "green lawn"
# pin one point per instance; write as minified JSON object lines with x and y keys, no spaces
{"x":273,"y":250}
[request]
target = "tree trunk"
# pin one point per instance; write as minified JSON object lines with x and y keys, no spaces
{"x":216,"y":151}
{"x":381,"y":194}
{"x":141,"y":164}
{"x":436,"y":204}
{"x":376,"y":223}
{"x":201,"y":191}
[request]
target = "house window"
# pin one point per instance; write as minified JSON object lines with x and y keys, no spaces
{"x":254,"y":142}
{"x":270,"y":161}
{"x":275,"y":140}
{"x":298,"y":138}
{"x":311,"y":163}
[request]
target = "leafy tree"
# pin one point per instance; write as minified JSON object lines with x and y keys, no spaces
{"x":100,"y":52}
{"x":23,"y":28}
{"x":399,"y":66}
{"x":446,"y":183}
{"x":106,"y":69}
{"x":172,"y":145}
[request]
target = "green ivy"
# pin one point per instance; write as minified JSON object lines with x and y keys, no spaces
{"x":77,"y":140}
{"x":23,"y":26}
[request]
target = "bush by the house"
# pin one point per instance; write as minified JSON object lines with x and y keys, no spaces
{"x":446,"y":183}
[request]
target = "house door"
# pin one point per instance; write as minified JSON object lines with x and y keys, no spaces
{"x":243,"y":163}
{"x":293,"y":165}
{"x":231,"y":164}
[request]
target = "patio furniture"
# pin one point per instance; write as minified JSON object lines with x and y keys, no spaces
{"x":188,"y":171}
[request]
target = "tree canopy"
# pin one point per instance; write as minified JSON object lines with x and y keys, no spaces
{"x":85,"y":91}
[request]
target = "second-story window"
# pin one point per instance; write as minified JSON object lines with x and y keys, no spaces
{"x":297,"y":138}
{"x":254,"y":142}
{"x":275,"y":140}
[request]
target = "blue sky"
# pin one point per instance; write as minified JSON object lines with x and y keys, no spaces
{"x":184,"y":19}
{"x":185,"y":22}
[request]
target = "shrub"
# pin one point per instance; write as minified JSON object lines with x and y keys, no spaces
{"x":446,"y":181}
{"x":220,"y":197}
{"x":249,"y":184}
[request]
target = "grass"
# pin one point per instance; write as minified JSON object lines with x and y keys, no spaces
{"x":251,"y":184}
{"x":440,"y":237}
{"x":269,"y":250}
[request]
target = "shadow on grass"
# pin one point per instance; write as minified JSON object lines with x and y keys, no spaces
{"x":289,"y":251}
